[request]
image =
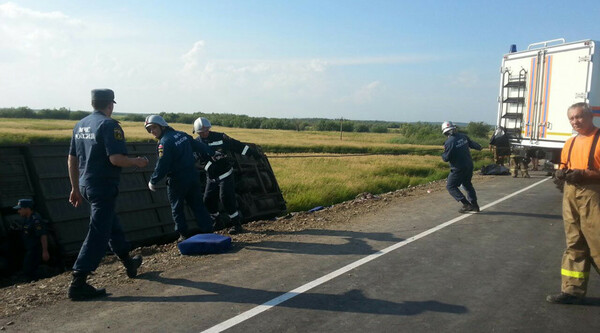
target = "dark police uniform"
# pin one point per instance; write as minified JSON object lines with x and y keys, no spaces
{"x":33,"y":230}
{"x":94,"y":139}
{"x":457,"y":153}
{"x":176,"y":161}
{"x":220,"y":184}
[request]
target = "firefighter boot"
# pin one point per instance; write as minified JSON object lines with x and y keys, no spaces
{"x":81,"y":290}
{"x":131,"y":264}
{"x":564,"y":298}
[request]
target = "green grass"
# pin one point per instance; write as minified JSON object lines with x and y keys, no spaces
{"x":305,"y":182}
{"x":322,"y":181}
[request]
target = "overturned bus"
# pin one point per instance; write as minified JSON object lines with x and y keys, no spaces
{"x":40,"y":172}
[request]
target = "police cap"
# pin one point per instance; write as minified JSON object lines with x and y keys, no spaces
{"x":24,"y":203}
{"x":103,"y":95}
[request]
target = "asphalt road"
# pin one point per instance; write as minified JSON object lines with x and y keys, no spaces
{"x":419,"y":266}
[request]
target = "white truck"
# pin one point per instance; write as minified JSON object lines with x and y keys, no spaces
{"x":538,"y":85}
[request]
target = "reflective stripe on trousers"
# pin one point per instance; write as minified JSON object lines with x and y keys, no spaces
{"x":581,"y":216}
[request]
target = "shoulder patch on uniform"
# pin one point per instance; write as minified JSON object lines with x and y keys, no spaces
{"x":118,"y":134}
{"x":161,"y":150}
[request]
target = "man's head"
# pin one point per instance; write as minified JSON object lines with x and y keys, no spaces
{"x":103,"y":100}
{"x":202,"y":127}
{"x":448,"y":128}
{"x":581,"y":118}
{"x":24,"y":207}
{"x":155,"y":125}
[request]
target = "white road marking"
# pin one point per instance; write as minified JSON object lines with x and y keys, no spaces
{"x":293,"y":293}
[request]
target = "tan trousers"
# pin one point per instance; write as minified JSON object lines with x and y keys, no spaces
{"x":581,"y":216}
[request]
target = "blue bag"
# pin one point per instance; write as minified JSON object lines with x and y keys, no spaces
{"x":205,"y":244}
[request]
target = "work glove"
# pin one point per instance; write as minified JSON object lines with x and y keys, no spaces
{"x":560,"y":174}
{"x":152,"y":187}
{"x":217,"y":156}
{"x":575,"y":176}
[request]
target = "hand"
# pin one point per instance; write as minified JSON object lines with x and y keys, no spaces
{"x":45,"y":256}
{"x":75,"y":197}
{"x":141,"y":161}
{"x":560,"y":184}
{"x":574,"y":176}
{"x":217,"y":156}
{"x":560,"y":174}
{"x":152,"y":187}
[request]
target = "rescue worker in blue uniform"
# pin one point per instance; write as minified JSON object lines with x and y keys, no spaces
{"x":35,"y":239}
{"x":457,"y":153}
{"x":220,"y":184}
{"x":176,"y":162}
{"x":96,"y":156}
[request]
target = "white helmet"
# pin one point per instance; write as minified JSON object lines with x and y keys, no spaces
{"x":155,"y":119}
{"x":447,"y":126}
{"x":201,"y":125}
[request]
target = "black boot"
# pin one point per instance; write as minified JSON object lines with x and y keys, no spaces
{"x":237,"y":227}
{"x":131,"y":264}
{"x":475,"y":206}
{"x":466,"y":207}
{"x":81,"y":290}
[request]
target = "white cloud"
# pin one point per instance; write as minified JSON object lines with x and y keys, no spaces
{"x":363,"y":94}
{"x":36,"y":34}
{"x":193,"y":56}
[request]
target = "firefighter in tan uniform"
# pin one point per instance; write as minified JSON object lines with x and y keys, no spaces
{"x":580,"y":165}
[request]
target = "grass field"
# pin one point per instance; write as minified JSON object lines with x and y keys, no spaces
{"x":306,"y":178}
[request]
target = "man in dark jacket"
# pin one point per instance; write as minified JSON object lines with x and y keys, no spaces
{"x":220,"y":184}
{"x":96,"y":156}
{"x":457,"y":153}
{"x":176,"y":162}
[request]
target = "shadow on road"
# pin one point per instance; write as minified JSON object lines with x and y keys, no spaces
{"x":353,"y":243}
{"x":352,"y":301}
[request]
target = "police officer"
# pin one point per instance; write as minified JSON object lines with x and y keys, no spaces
{"x":96,"y":156}
{"x":220,"y":183}
{"x":456,"y":151}
{"x":176,"y":161}
{"x":35,"y":238}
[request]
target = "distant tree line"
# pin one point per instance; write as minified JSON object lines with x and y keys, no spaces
{"x":417,"y":132}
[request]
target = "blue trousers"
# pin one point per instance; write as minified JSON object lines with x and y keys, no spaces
{"x":462,"y":177}
{"x":221,"y":190}
{"x":104,"y":229}
{"x":188,"y":190}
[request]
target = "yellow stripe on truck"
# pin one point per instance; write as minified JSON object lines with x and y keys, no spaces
{"x":561,"y":134}
{"x":573,"y":274}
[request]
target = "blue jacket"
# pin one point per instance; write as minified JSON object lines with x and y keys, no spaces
{"x":94,"y":139}
{"x":176,"y":155}
{"x":457,"y":153}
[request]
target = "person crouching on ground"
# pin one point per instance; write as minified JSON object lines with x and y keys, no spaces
{"x":457,"y":153}
{"x":35,"y":239}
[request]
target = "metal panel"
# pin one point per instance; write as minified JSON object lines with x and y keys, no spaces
{"x":15,"y":183}
{"x":41,"y":172}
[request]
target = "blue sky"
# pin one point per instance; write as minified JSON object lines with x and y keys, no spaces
{"x":363,"y":60}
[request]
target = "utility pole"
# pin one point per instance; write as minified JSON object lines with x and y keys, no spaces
{"x":341,"y":128}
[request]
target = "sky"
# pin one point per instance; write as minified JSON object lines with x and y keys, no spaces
{"x":400,"y":61}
